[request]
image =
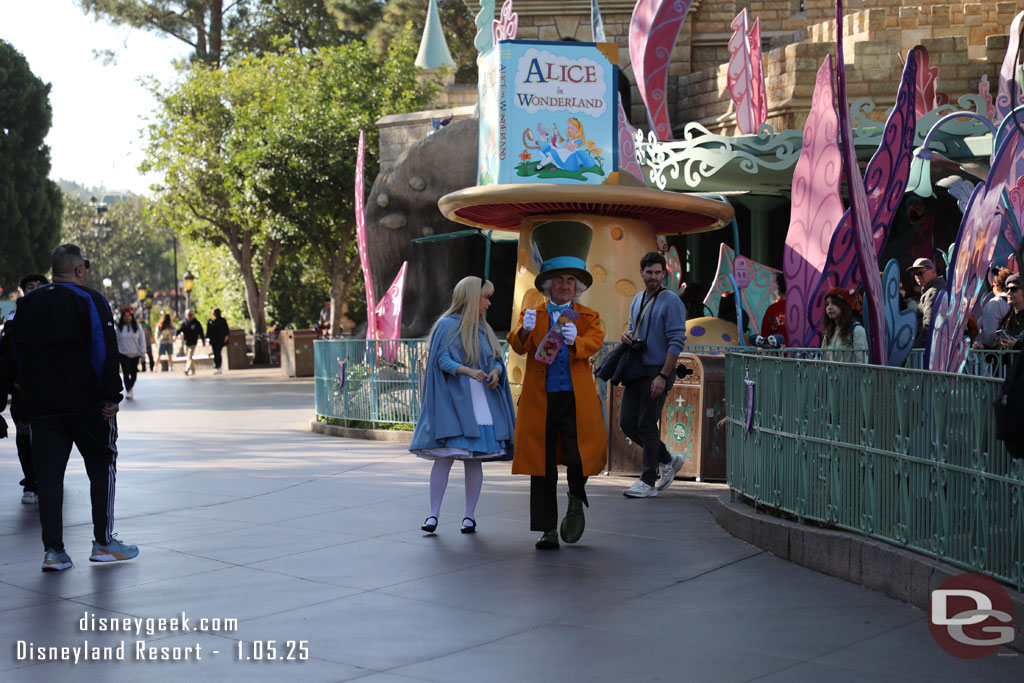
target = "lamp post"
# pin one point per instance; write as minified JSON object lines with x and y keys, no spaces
{"x":920,"y":180}
{"x":140,"y":290}
{"x":100,"y":227}
{"x":189,"y":280}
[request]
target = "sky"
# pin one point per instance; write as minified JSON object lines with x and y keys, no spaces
{"x":98,"y":110}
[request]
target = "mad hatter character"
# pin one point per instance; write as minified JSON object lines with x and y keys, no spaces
{"x":560,"y":418}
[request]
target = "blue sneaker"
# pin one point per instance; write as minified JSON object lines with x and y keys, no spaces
{"x":112,"y":551}
{"x":56,"y":561}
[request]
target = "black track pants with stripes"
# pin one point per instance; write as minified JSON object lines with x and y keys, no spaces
{"x":96,"y":439}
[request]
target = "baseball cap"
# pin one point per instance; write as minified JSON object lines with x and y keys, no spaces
{"x":922,"y":263}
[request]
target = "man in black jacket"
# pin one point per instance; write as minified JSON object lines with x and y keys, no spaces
{"x":9,"y":385}
{"x":66,"y":361}
{"x":192,"y":331}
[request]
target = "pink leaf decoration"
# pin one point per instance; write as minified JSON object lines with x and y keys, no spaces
{"x":627,"y":146}
{"x":364,"y":256}
{"x":927,"y":77}
{"x":864,"y":243}
{"x":739,"y":79}
{"x":984,"y":89}
{"x":653,"y":30}
{"x":505,"y":27}
{"x":816,"y":205}
{"x":1009,"y":94}
{"x":884,"y":182}
{"x":759,"y":93}
{"x":975,"y":247}
{"x":389,"y":315}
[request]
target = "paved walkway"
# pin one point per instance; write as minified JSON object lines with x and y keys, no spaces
{"x":242,"y":513}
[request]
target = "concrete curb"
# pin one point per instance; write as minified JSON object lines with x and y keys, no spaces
{"x":898,"y":573}
{"x":390,"y":435}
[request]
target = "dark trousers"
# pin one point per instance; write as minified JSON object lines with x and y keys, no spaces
{"x":24,"y":443}
{"x":129,"y":370}
{"x":96,"y":438}
{"x":640,"y":420}
{"x":217,"y":348}
{"x":561,"y":422}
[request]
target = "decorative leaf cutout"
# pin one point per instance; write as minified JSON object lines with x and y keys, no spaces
{"x":756,"y":296}
{"x":816,"y":205}
{"x":653,"y":30}
{"x":900,"y":326}
{"x":759,"y":93}
{"x":505,"y":26}
{"x":484,"y":40}
{"x":860,"y":214}
{"x":627,"y":146}
{"x":739,"y":79}
{"x":927,"y":98}
{"x":885,"y":182}
{"x":975,"y":246}
{"x":1009,"y":93}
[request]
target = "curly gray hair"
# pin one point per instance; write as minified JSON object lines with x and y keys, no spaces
{"x":546,"y":289}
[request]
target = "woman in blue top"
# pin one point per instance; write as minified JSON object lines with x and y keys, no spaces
{"x":466,"y":412}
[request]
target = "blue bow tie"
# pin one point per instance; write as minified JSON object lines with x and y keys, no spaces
{"x":555,"y":308}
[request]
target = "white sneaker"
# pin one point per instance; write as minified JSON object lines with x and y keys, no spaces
{"x":667,"y":472}
{"x":217,"y":371}
{"x":29,"y":498}
{"x":131,"y":395}
{"x":640,"y":489}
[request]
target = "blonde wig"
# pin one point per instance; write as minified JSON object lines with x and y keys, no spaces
{"x":466,"y":303}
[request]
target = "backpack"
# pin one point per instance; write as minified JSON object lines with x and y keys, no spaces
{"x":1009,"y":408}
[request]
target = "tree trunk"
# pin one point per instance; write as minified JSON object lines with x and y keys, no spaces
{"x":342,"y":276}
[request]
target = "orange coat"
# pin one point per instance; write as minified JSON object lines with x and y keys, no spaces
{"x":533,"y":400}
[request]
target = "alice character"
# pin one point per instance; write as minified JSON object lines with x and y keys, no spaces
{"x":467,"y":412}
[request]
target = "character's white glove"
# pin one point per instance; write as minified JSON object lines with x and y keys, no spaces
{"x":569,"y":332}
{"x":529,"y":319}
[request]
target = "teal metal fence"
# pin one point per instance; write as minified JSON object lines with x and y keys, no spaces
{"x":901,"y":455}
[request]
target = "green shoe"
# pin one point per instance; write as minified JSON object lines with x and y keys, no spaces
{"x":574,"y":522}
{"x":549,"y":541}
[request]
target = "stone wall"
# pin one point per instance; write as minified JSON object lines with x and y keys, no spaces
{"x":873,"y":39}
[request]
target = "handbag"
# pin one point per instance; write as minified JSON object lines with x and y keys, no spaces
{"x":624,"y":363}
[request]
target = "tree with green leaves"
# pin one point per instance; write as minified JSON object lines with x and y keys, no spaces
{"x":305,"y":164}
{"x":122,"y":242}
{"x":30,"y":203}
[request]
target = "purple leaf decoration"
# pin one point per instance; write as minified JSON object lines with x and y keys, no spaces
{"x":900,"y":326}
{"x":627,"y":146}
{"x":653,"y":30}
{"x":860,"y":213}
{"x":975,"y":245}
{"x":816,"y":205}
{"x":885,"y":182}
{"x":1009,"y":93}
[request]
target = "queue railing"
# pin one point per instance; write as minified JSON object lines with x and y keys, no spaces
{"x":902,"y":455}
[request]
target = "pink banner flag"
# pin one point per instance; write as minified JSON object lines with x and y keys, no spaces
{"x":364,"y":256}
{"x":389,"y":315}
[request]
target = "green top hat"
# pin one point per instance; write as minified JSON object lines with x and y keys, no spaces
{"x":562,"y":247}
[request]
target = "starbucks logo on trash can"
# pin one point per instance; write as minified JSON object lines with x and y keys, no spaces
{"x":970,"y":616}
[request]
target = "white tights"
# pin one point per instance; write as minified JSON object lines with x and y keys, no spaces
{"x":439,"y":482}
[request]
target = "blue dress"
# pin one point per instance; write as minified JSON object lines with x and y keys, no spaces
{"x":460,"y":417}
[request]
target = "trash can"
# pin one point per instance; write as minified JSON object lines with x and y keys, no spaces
{"x":238,"y":356}
{"x":297,"y":352}
{"x":695,"y":403}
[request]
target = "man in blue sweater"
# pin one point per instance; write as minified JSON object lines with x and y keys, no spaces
{"x":657,"y":323}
